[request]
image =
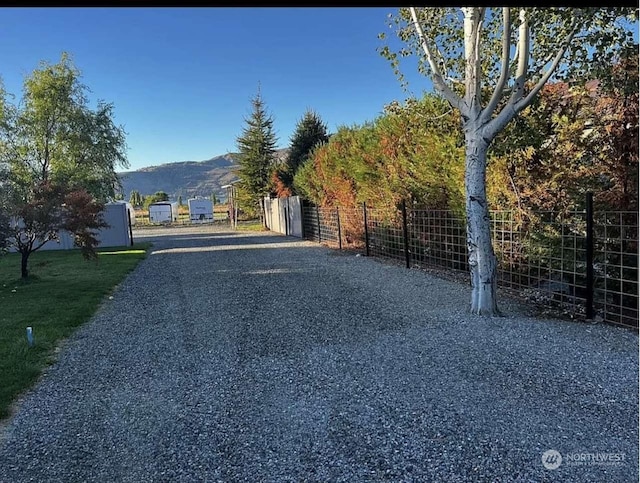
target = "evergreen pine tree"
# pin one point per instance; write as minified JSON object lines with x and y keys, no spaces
{"x":256,"y":156}
{"x":310,"y":131}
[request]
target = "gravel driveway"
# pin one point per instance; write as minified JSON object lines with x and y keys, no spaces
{"x":258,"y":357}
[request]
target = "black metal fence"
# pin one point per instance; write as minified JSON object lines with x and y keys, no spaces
{"x":583,"y":263}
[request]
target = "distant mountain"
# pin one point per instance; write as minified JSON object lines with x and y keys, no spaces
{"x":186,"y":178}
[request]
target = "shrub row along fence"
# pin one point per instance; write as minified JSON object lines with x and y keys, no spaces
{"x":583,"y":263}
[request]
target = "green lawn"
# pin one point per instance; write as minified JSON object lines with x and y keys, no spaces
{"x":62,"y":292}
{"x":251,"y":225}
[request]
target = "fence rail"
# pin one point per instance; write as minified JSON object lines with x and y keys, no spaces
{"x":584,"y":263}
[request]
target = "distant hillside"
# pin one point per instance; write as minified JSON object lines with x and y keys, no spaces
{"x":186,"y":178}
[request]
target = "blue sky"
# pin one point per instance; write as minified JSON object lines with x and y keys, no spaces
{"x":181,"y":79}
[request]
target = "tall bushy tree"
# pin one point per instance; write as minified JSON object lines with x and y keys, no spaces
{"x":256,"y":157}
{"x":53,"y":134}
{"x":60,"y":156}
{"x":309,"y":133}
{"x":490,"y":64}
{"x":617,"y":131}
{"x":396,"y":157}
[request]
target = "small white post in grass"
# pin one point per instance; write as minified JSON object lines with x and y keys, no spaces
{"x":30,"y":336}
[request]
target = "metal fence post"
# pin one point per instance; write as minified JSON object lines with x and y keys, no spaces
{"x":286,"y":217}
{"x":318,"y":220}
{"x":366,"y":229}
{"x":405,"y":234}
{"x":130,"y":229}
{"x":589,"y":249}
{"x":339,"y":230}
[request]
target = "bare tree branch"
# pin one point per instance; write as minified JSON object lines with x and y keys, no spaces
{"x":517,"y":103}
{"x":476,"y":61}
{"x":523,"y":57}
{"x":554,"y":65}
{"x":433,"y":118}
{"x":438,"y":80}
{"x":471,"y":68}
{"x":453,"y":80}
{"x":506,"y":60}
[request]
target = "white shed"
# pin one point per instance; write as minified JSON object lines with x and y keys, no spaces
{"x":163,"y":212}
{"x":132,"y":213}
{"x":200,"y":210}
{"x":117,"y":233}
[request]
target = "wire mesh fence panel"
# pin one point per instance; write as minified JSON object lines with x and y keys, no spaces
{"x":328,"y":218}
{"x":437,"y":238}
{"x":509,"y":250}
{"x":385,"y":233}
{"x":310,"y":225}
{"x":616,"y":267}
{"x":352,"y":228}
{"x":544,"y":257}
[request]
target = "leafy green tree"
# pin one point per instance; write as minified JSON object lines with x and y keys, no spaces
{"x":160,"y":196}
{"x":310,"y":132}
{"x":53,"y":135}
{"x":214,"y":199}
{"x":256,"y":157}
{"x":490,"y":64}
{"x":135,"y":198}
{"x":61,"y":158}
{"x":155,"y":198}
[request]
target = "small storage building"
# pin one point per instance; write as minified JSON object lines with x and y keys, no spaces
{"x":132,"y":212}
{"x":117,"y":233}
{"x":163,"y":212}
{"x":200,"y":210}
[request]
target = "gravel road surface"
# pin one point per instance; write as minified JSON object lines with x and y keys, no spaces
{"x":255,"y":357}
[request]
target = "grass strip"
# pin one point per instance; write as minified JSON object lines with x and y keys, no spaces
{"x":62,"y":292}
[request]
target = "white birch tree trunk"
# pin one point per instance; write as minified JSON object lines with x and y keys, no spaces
{"x":482,"y":259}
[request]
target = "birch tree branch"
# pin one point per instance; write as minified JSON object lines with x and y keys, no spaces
{"x":521,"y":104}
{"x":470,"y":26}
{"x":506,"y":60}
{"x":476,"y":61}
{"x":438,"y":80}
{"x":523,"y":57}
{"x":517,"y":102}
